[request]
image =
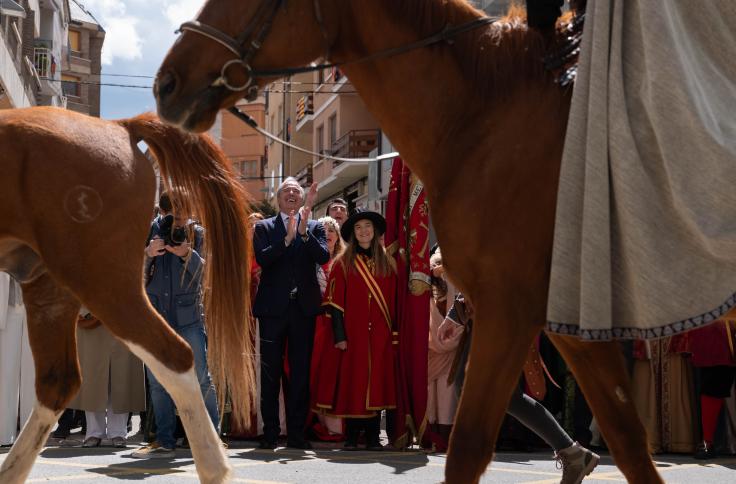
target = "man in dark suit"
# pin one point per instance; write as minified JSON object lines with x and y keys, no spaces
{"x":288,"y":247}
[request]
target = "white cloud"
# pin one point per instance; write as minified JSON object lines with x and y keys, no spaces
{"x":121,"y":40}
{"x":122,"y":37}
{"x":134,"y":27}
{"x":138,"y":35}
{"x":179,"y":11}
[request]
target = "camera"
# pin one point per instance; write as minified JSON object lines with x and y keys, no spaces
{"x":172,"y":236}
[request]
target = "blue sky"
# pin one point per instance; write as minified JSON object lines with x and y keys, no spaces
{"x":138,"y":35}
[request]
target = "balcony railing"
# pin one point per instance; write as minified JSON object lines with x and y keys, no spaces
{"x":355,"y":144}
{"x":32,"y":72}
{"x":44,"y":62}
{"x":304,"y":176}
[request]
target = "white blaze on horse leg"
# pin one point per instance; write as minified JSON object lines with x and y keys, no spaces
{"x":17,"y":465}
{"x":207,"y":450}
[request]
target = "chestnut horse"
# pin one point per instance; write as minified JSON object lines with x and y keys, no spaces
{"x":76,"y":199}
{"x":482,"y":124}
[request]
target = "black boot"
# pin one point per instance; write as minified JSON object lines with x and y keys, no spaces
{"x":65,"y":424}
{"x":373,"y":433}
{"x":352,"y":432}
{"x":705,"y":451}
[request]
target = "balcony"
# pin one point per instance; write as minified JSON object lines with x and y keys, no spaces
{"x":32,"y":72}
{"x":332,"y":175}
{"x":356,"y":144}
{"x":44,"y":62}
{"x":304,"y":176}
{"x":305,"y":112}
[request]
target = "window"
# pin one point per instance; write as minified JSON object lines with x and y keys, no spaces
{"x":321,"y":139}
{"x":332,"y":125}
{"x":249,"y":169}
{"x":320,"y":76}
{"x":70,"y":85}
{"x":75,"y":40}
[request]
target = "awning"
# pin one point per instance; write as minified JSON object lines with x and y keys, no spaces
{"x":12,"y":8}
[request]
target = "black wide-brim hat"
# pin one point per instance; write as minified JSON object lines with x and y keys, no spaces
{"x":379,"y":223}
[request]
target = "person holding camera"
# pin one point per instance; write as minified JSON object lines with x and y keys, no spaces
{"x":173,"y":284}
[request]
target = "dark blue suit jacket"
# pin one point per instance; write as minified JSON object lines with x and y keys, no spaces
{"x":283,"y":268}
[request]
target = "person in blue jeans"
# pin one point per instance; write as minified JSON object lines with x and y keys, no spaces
{"x":173,"y":284}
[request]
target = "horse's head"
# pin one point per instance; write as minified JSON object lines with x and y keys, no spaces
{"x":217,"y":59}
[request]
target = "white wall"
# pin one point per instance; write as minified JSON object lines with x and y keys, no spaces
{"x":11,"y":81}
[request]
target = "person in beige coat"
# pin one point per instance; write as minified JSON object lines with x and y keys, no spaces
{"x":113,"y":383}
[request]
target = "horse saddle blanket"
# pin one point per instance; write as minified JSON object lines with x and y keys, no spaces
{"x":645,"y":234}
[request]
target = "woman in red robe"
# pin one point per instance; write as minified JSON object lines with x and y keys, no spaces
{"x":356,"y":374}
{"x":325,"y":427}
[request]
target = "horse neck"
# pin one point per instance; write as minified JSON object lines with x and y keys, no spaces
{"x":425,"y":99}
{"x":405,"y":93}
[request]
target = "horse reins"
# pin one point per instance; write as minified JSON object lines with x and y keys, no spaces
{"x":244,"y":58}
{"x":267,"y":12}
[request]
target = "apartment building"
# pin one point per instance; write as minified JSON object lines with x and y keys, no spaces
{"x":342,"y":126}
{"x":33,"y":34}
{"x":245,"y":147}
{"x":17,"y":82}
{"x":81,"y":74}
{"x":288,"y":102}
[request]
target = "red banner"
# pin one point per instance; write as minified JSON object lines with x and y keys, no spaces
{"x":407,"y":240}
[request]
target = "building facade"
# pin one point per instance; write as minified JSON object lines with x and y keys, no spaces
{"x":289,"y":107}
{"x":32,"y":39}
{"x":49,"y":51}
{"x":245,"y":147}
{"x":81,"y":73}
{"x":341,"y":126}
{"x":19,"y":27}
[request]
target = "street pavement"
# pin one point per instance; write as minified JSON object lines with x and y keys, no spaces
{"x":331,"y":465}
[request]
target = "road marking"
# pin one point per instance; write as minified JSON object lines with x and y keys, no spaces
{"x":112,"y":470}
{"x":74,"y":477}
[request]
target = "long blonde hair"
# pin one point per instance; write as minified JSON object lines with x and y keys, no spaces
{"x":331,"y":223}
{"x":383,"y":264}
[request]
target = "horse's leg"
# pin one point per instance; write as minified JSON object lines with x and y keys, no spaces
{"x":499,"y":346}
{"x":52,"y":315}
{"x":600,"y":370}
{"x":134,"y":321}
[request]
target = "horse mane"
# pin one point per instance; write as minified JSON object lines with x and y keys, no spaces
{"x":497,"y":58}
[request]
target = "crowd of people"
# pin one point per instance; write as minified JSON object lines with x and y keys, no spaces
{"x":323,"y":295}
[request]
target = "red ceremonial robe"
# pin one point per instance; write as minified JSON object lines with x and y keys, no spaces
{"x":361,"y":380}
{"x":407,"y":238}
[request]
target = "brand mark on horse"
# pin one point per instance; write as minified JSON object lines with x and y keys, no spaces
{"x":83,"y":204}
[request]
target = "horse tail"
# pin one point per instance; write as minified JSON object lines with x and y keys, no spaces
{"x":194,"y":165}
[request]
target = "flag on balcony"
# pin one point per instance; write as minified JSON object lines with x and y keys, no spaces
{"x":407,"y":240}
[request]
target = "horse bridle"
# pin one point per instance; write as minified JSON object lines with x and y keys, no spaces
{"x":267,"y":11}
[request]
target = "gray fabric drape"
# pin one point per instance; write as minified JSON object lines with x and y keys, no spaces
{"x":645,"y":236}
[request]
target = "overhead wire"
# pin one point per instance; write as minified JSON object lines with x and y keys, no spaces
{"x":138,"y":86}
